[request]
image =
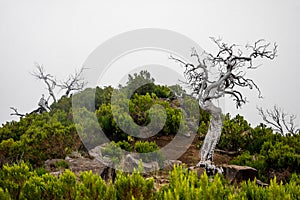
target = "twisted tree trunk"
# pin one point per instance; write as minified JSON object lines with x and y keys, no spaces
{"x":214,"y":132}
{"x":215,"y":76}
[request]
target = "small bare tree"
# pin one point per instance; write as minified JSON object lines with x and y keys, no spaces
{"x":75,"y":82}
{"x":215,"y":76}
{"x":48,"y":79}
{"x":281,"y":121}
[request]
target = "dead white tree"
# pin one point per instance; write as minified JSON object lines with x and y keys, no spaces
{"x":215,"y":76}
{"x":48,"y":79}
{"x":75,"y":82}
{"x":281,"y":121}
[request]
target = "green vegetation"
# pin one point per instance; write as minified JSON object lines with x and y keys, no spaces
{"x":113,"y":151}
{"x":261,"y":148}
{"x":36,"y":138}
{"x":19,"y":182}
{"x":149,"y":151}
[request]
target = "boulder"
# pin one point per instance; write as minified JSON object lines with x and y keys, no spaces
{"x":80,"y":164}
{"x":169,"y":164}
{"x":96,"y":153}
{"x":198,"y":170}
{"x":130,"y":163}
{"x":236,"y":174}
{"x":97,"y":167}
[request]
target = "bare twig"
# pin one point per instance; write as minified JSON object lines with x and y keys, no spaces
{"x":277,"y":118}
{"x":74,"y":82}
{"x":16,"y":112}
{"x":48,"y":79}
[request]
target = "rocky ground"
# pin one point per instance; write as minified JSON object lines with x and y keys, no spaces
{"x":190,"y":158}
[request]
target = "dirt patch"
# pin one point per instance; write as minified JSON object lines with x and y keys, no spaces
{"x":191,"y":157}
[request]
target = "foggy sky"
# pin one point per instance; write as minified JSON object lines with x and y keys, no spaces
{"x":61,"y":34}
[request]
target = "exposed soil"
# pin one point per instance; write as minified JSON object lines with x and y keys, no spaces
{"x":191,"y":157}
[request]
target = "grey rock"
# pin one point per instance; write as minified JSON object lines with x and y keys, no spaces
{"x":236,"y":174}
{"x":169,"y":164}
{"x":130,"y":163}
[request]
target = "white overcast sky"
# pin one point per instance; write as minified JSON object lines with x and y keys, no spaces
{"x":61,"y":35}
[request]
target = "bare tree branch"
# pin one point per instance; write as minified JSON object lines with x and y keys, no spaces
{"x":48,"y":79}
{"x":231,"y":64}
{"x":277,"y":118}
{"x":74,"y":82}
{"x":16,"y":112}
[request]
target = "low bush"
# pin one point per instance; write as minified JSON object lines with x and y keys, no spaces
{"x":19,"y":182}
{"x":149,"y":151}
{"x":185,"y":184}
{"x":134,"y":186}
{"x":113,"y":151}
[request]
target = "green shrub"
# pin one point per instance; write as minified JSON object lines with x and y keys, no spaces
{"x":4,"y":194}
{"x":52,"y":187}
{"x":91,"y":186}
{"x":272,"y":157}
{"x":293,"y":187}
{"x":145,"y":147}
{"x":149,"y":151}
{"x":62,"y":164}
{"x":5,"y":151}
{"x":134,"y":186}
{"x":124,"y":145}
{"x":13,"y":178}
{"x":33,"y":188}
{"x":68,"y":184}
{"x":138,"y":107}
{"x":281,"y":156}
{"x":113,"y":151}
{"x":258,"y":136}
{"x":245,"y":159}
{"x":185,"y":184}
{"x":236,"y":133}
{"x":41,"y":171}
{"x":250,"y":190}
{"x":108,"y":123}
{"x":18,"y":182}
{"x":44,"y":138}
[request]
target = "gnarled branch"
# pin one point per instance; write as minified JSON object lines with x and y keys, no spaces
{"x":279,"y":120}
{"x":16,"y":112}
{"x":75,"y":82}
{"x":231,"y":64}
{"x":48,"y":79}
